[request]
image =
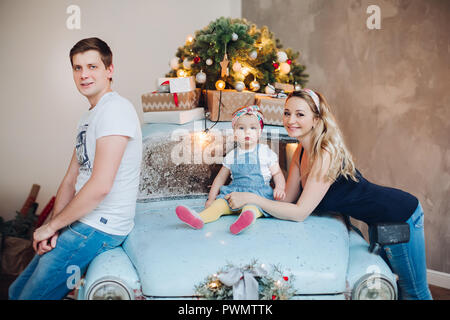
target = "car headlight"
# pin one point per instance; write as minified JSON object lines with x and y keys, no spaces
{"x":373,"y":287}
{"x":109,"y":289}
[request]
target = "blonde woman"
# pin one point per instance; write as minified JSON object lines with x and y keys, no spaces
{"x":322,"y":177}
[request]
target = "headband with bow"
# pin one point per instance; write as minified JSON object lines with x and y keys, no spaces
{"x":253,"y":109}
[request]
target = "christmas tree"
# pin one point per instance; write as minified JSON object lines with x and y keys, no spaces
{"x":233,"y":53}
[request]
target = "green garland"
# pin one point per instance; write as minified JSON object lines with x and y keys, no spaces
{"x":276,"y":285}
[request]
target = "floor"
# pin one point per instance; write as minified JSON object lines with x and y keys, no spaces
{"x":438,"y":293}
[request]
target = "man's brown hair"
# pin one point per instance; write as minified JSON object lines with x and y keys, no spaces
{"x":93,"y":44}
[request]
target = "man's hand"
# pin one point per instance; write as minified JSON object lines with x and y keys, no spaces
{"x":42,"y":233}
{"x":279,"y":194}
{"x":47,"y":245}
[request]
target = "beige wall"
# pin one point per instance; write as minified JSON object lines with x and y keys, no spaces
{"x":39,"y":104}
{"x":389,"y":89}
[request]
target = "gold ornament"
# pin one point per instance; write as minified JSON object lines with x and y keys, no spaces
{"x":214,"y":285}
{"x":254,"y":85}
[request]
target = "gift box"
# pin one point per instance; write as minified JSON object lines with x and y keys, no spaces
{"x":157,"y":101}
{"x":178,"y":85}
{"x":228,"y":101}
{"x":177,"y":117}
{"x":272,"y":109}
{"x":286,"y":87}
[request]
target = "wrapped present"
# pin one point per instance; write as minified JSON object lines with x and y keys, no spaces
{"x":286,"y":87}
{"x":177,"y":117}
{"x":157,"y":101}
{"x":272,"y":108}
{"x":178,"y":85}
{"x":228,"y":101}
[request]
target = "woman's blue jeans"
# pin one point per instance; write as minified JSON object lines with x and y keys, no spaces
{"x":408,"y":261}
{"x":53,"y":275}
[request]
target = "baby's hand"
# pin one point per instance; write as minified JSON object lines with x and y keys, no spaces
{"x":279,"y":194}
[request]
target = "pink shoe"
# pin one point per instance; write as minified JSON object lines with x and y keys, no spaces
{"x":190,"y":217}
{"x":244,"y":220}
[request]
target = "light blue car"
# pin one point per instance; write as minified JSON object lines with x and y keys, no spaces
{"x":163,"y":258}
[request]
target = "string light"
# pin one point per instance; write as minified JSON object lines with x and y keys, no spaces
{"x":181,"y":73}
{"x":189,"y":39}
{"x":220,"y":85}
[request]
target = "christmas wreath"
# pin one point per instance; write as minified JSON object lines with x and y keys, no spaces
{"x":250,"y":282}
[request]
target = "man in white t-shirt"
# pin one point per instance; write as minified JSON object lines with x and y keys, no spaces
{"x":95,"y":203}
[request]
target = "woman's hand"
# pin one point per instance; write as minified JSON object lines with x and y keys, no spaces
{"x":237,"y":200}
{"x":208,"y":202}
{"x":279,"y":194}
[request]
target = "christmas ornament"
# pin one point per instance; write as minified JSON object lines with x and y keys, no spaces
{"x":281,"y":56}
{"x":254,"y":48}
{"x":275,"y":65}
{"x":297,"y":87}
{"x":187,"y":63}
{"x":224,"y":66}
{"x":220,"y":85}
{"x":181,"y":73}
{"x":254,"y":85}
{"x":239,"y":86}
{"x":237,"y":67}
{"x":285,"y":68}
{"x":174,"y":63}
{"x":269,"y":89}
{"x":200,"y":77}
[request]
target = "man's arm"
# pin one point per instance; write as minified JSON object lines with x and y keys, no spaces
{"x":64,"y":195}
{"x":108,"y":156}
{"x":66,"y":190}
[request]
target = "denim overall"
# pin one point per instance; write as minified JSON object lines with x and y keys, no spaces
{"x":247,"y":177}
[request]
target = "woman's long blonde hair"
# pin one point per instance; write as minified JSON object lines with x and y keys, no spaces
{"x":326,"y":136}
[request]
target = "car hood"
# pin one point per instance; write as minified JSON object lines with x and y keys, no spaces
{"x":171,"y":258}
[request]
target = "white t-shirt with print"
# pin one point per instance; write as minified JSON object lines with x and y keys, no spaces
{"x":113,"y":115}
{"x":267,"y":158}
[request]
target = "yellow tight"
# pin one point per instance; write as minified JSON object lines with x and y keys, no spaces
{"x":220,"y":207}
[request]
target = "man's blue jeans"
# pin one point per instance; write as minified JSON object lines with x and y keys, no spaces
{"x":408,"y":261}
{"x":51,"y":276}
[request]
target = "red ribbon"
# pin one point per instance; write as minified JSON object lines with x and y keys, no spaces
{"x":175,"y":96}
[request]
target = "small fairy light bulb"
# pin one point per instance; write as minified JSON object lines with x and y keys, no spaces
{"x":181,"y":73}
{"x":189,"y":39}
{"x":220,"y":85}
{"x":203,"y":138}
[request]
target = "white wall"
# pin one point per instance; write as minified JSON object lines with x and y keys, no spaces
{"x":39,"y":104}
